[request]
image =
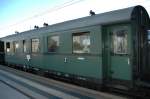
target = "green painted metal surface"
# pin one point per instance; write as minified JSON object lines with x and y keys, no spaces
{"x":88,"y":65}
{"x":120,"y":69}
{"x":116,"y":66}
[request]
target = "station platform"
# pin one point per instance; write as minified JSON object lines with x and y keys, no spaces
{"x":8,"y":92}
{"x":23,"y":85}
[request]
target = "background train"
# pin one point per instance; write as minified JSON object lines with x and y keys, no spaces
{"x":108,"y":49}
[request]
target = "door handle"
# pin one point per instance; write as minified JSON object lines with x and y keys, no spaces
{"x":65,"y":60}
{"x":128,"y":61}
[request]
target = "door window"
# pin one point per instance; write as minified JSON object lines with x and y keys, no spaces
{"x":119,"y":41}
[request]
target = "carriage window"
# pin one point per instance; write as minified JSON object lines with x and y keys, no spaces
{"x":81,"y":42}
{"x":53,"y":43}
{"x":119,"y":41}
{"x":35,"y":45}
{"x":15,"y":46}
{"x":7,"y":47}
{"x":24,"y":46}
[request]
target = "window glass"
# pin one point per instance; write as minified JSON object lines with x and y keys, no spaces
{"x":8,"y":47}
{"x":53,"y":43}
{"x":15,"y":46}
{"x":81,"y":43}
{"x":35,"y":45}
{"x":119,"y":41}
{"x":24,"y":46}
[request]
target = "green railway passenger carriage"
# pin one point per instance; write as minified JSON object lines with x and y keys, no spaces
{"x":108,"y":49}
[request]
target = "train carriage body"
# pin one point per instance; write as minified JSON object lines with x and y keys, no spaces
{"x":109,"y":48}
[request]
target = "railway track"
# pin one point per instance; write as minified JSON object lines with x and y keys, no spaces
{"x":37,"y":87}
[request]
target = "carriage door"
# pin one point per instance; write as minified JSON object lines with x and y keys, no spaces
{"x":117,"y":53}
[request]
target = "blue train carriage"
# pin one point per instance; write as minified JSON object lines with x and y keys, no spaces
{"x":104,"y":49}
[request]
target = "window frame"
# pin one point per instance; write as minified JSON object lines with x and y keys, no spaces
{"x":48,"y":43}
{"x":8,"y":47}
{"x":113,"y":52}
{"x":79,"y":34}
{"x":38,"y":51}
{"x":14,"y":46}
{"x":24,"y":42}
